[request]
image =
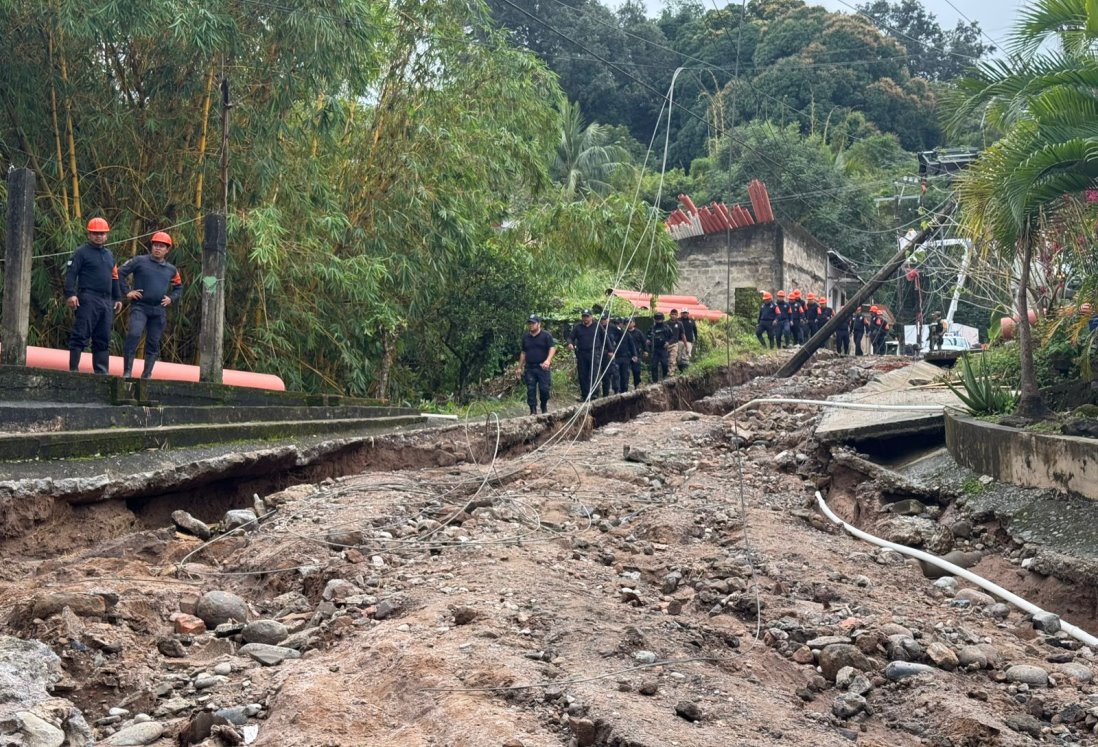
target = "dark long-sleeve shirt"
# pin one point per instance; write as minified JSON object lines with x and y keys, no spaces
{"x":583,"y":337}
{"x":154,"y":279}
{"x":92,"y":269}
{"x":639,"y":341}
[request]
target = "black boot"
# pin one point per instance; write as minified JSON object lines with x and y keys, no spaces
{"x":127,"y":367}
{"x":74,"y":359}
{"x":101,"y":361}
{"x":150,"y":361}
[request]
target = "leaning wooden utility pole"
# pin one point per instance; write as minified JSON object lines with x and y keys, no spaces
{"x":211,"y":338}
{"x":794,"y":364}
{"x":17,"y":268}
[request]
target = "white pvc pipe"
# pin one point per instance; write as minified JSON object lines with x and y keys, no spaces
{"x":1028,"y":607}
{"x":841,"y":405}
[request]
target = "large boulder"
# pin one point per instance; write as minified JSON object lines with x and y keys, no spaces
{"x":29,"y":715}
{"x":218,"y":607}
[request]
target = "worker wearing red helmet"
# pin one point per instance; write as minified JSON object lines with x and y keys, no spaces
{"x":156,"y":286}
{"x":92,"y":291}
{"x":783,"y":331}
{"x":768,"y":321}
{"x":878,"y":331}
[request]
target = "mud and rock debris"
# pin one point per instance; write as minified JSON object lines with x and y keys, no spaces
{"x":571,"y":595}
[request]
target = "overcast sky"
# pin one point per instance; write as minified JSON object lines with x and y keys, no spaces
{"x":996,"y":17}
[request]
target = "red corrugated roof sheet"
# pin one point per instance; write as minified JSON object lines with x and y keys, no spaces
{"x":698,"y":310}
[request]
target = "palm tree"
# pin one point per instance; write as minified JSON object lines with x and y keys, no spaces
{"x":585,"y":160}
{"x":1046,"y":106}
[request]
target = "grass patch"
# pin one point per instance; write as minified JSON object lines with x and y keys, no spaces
{"x":973,"y":486}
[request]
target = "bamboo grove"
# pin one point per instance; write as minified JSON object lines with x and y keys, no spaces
{"x":390,"y":207}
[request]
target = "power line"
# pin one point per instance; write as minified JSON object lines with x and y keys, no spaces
{"x":994,"y":44}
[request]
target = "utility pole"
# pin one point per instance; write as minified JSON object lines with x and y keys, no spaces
{"x":17,"y":268}
{"x":794,"y":364}
{"x":211,"y":338}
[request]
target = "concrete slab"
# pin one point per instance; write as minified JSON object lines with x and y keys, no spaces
{"x":910,"y":385}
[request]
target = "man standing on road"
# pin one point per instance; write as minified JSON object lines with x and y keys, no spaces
{"x":156,"y":286}
{"x":607,"y":338}
{"x":783,"y":329}
{"x":937,"y":331}
{"x":623,"y":357}
{"x":538,"y":349}
{"x":92,"y":291}
{"x":861,"y":328}
{"x":638,"y":341}
{"x":878,"y":330}
{"x":768,"y":320}
{"x":659,"y":339}
{"x":582,"y":340}
{"x":690,"y":335}
{"x":678,"y":338}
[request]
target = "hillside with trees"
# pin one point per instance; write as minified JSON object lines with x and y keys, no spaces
{"x":390,"y":222}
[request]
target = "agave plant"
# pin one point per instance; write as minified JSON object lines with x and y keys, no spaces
{"x":980,"y":392}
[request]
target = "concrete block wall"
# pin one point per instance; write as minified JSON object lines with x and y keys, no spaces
{"x":706,"y":265}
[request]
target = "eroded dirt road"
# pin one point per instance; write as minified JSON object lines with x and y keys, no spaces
{"x":661,"y":581}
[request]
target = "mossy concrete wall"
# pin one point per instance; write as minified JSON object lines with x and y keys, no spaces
{"x":1032,"y":460}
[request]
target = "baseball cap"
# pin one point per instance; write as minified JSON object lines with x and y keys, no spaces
{"x":658,"y":316}
{"x":685,"y":311}
{"x":533,"y":318}
{"x":585,"y":312}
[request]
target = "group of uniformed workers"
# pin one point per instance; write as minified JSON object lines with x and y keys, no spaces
{"x":790,"y":320}
{"x":609,"y":353}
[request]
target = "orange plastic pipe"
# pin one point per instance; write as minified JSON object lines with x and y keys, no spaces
{"x":58,"y":360}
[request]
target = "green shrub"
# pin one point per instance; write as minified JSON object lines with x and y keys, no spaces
{"x":981,"y":391}
{"x":747,"y":303}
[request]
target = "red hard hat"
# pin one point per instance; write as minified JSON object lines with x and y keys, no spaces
{"x":796,"y":293}
{"x":811,"y":296}
{"x":161,"y":238}
{"x":822,"y":300}
{"x":781,"y":294}
{"x":767,"y":296}
{"x":98,"y":225}
{"x":874,"y":309}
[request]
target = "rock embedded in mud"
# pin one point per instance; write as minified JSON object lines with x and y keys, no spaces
{"x":975,"y":597}
{"x":238,"y":518}
{"x":264,"y":631}
{"x":848,"y":705}
{"x":980,"y":656}
{"x":339,"y":538}
{"x":899,"y":670}
{"x":31,"y":715}
{"x":1027,"y":674}
{"x":136,"y":735}
{"x":82,"y":605}
{"x":838,"y":655}
{"x":386,"y":608}
{"x":688,"y":710}
{"x":191,"y":525}
{"x":219,"y":607}
{"x":338,"y":589}
{"x":1046,"y":622}
{"x":1077,"y":672}
{"x":269,"y":655}
{"x":942,"y":656}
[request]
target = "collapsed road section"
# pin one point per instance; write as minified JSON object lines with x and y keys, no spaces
{"x":631,"y":581}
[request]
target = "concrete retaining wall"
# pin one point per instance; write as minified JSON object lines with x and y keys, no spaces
{"x":1032,"y":460}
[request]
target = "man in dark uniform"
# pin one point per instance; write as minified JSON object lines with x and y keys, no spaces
{"x":768,"y":320}
{"x":796,"y":316}
{"x":824,"y":315}
{"x":92,"y":291}
{"x":674,"y":351}
{"x":842,"y":336}
{"x":538,"y":349}
{"x":660,"y":339}
{"x":937,"y":331}
{"x":582,"y":340}
{"x":623,"y":358}
{"x":784,"y":331}
{"x":639,"y":342}
{"x":878,"y":327}
{"x":690,"y":335}
{"x":607,"y":338}
{"x":156,"y":286}
{"x":811,"y":317}
{"x":860,"y":328}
